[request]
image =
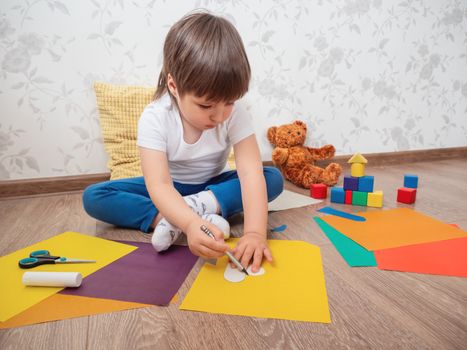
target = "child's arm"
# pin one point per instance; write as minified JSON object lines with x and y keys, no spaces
{"x":172,"y":206}
{"x":253,"y":244}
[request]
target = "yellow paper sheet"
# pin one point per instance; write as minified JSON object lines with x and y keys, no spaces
{"x":394,"y":228}
{"x":15,"y":297}
{"x":292,"y":288}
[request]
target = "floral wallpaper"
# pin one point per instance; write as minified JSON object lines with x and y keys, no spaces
{"x":366,"y":75}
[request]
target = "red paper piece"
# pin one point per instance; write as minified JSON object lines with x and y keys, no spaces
{"x":438,"y":258}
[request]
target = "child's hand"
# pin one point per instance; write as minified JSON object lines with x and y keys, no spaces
{"x":252,"y":246}
{"x":201,"y":244}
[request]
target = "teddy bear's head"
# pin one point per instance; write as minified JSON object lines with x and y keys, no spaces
{"x":288,"y":135}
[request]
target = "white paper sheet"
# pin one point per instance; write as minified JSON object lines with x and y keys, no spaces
{"x":289,"y":200}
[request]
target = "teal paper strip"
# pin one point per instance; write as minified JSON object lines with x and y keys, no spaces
{"x":353,"y":253}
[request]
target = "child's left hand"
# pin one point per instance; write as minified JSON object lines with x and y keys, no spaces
{"x":254,"y":246}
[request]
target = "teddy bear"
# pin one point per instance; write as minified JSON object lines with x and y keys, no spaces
{"x":296,"y":161}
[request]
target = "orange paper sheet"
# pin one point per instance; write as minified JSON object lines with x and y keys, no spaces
{"x":437,"y":258}
{"x":60,"y":307}
{"x":394,"y":228}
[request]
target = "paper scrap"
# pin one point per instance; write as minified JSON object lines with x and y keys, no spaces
{"x":340,"y":213}
{"x":279,"y":228}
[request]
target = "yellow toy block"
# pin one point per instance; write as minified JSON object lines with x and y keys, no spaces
{"x":357,"y":158}
{"x":357,"y":165}
{"x":357,"y":169}
{"x":375,"y":199}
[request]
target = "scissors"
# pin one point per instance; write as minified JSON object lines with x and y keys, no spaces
{"x":41,"y":257}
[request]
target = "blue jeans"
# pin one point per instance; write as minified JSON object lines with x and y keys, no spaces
{"x":126,"y":202}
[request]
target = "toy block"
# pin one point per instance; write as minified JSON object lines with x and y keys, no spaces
{"x":359,"y":198}
{"x":410,"y":181}
{"x":318,"y":191}
{"x":337,"y":195}
{"x":348,"y":197}
{"x":357,"y":170}
{"x":406,"y":195}
{"x":351,"y":183}
{"x":375,"y":199}
{"x":357,"y":167}
{"x":365,"y":183}
{"x":357,"y":158}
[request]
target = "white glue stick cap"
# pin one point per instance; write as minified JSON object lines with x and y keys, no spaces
{"x":52,"y":279}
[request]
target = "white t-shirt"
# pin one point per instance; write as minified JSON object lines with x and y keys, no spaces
{"x":160,"y":128}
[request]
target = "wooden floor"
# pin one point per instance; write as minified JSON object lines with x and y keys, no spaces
{"x":370,"y":309}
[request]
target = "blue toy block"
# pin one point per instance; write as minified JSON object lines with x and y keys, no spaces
{"x":410,"y":181}
{"x":337,"y":195}
{"x":365,"y":183}
{"x":351,"y":183}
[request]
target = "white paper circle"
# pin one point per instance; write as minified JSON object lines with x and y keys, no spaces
{"x":235,"y":275}
{"x":251,"y":273}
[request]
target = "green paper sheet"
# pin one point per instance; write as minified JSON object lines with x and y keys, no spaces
{"x":353,"y":253}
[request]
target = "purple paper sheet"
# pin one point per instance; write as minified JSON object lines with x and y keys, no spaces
{"x":143,"y":276}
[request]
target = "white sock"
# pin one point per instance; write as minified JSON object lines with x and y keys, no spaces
{"x":202,"y":203}
{"x":165,"y":234}
{"x":220,"y":222}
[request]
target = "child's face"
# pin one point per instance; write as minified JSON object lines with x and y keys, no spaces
{"x":199,"y":112}
{"x":203,"y":114}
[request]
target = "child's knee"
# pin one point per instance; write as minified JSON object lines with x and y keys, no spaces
{"x":90,"y":198}
{"x":274,"y":182}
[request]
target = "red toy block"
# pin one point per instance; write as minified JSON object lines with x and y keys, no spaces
{"x":406,"y":195}
{"x":318,"y":191}
{"x":348,"y":197}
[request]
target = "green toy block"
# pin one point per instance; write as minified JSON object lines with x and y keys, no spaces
{"x":359,"y":198}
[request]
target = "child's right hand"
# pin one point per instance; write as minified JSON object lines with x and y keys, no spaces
{"x":201,"y":244}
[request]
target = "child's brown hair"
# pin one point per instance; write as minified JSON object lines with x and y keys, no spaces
{"x":205,"y":56}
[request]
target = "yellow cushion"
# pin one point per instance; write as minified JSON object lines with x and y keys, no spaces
{"x":231,"y":160}
{"x":119,"y":110}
